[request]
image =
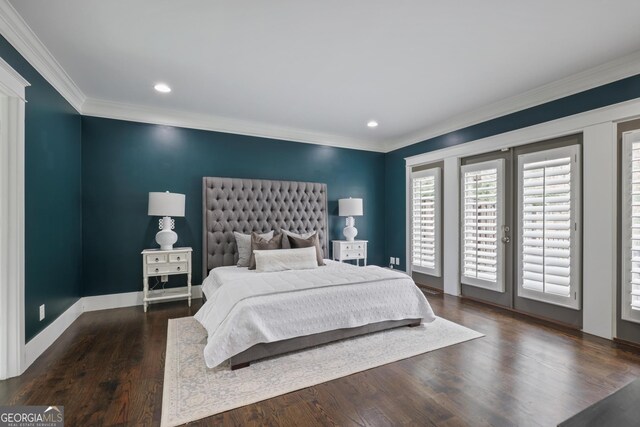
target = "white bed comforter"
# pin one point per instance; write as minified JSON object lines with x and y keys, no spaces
{"x":245,"y":308}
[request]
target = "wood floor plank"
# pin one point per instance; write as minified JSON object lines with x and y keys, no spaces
{"x":108,"y":369}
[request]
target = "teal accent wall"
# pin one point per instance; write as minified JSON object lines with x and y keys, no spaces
{"x":53,"y":208}
{"x":123,"y":161}
{"x":395,"y":211}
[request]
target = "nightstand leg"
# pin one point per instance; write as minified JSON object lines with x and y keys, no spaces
{"x":145,"y":288}
{"x":189,"y":288}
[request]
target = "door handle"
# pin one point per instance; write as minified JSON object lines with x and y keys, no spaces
{"x":506,"y":239}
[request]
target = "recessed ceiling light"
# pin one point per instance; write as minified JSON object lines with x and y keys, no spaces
{"x":372,"y":124}
{"x":162,"y":87}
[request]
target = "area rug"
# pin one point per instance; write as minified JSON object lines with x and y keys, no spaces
{"x":192,"y":391}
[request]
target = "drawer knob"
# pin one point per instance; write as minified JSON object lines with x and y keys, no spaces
{"x":178,"y":258}
{"x":157,"y":270}
{"x":157,"y":260}
{"x":178,"y":268}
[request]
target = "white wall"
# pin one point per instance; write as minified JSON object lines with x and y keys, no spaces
{"x":599,"y":202}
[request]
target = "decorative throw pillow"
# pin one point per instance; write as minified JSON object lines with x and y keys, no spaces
{"x":285,"y":241}
{"x":262,"y":244}
{"x":285,"y":259}
{"x":312,"y":241}
{"x":243,"y":242}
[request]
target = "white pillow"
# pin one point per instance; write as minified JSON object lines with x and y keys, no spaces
{"x":243,"y":242}
{"x":285,"y":259}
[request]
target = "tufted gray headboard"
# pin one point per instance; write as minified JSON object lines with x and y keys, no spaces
{"x":246,"y":205}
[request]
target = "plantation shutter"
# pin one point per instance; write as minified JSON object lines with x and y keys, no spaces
{"x":631,"y":226}
{"x":482,"y":205}
{"x":548,"y":210}
{"x":425,"y":221}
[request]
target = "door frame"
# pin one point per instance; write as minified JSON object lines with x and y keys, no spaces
{"x":12,"y":219}
{"x":626,"y":330}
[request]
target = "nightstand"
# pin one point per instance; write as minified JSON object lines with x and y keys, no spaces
{"x":344,"y":250}
{"x":158,"y":263}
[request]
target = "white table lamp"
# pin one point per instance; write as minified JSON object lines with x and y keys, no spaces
{"x":166,"y":205}
{"x":350,"y":208}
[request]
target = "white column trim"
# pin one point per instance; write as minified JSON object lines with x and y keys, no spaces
{"x":599,"y":229}
{"x":12,"y":329}
{"x":451,"y":225}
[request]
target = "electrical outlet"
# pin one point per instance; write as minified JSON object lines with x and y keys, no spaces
{"x":42,"y":312}
{"x":397,"y":261}
{"x":164,"y":279}
{"x":392,"y":260}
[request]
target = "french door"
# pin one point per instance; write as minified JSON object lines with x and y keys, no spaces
{"x":485,"y":217}
{"x":520,"y":229}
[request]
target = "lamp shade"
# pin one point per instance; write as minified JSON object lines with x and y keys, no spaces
{"x":166,"y":204}
{"x":350,"y":207}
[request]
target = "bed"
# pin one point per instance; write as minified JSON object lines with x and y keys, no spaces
{"x":250,"y":316}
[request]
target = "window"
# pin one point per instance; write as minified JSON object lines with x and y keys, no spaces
{"x":631,"y":226}
{"x":425,"y":221}
{"x":482,"y":207}
{"x":549,"y":234}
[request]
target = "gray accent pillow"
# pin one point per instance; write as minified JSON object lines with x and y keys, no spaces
{"x":285,"y":241}
{"x":243,"y":242}
{"x":309,"y":242}
{"x":262,"y":244}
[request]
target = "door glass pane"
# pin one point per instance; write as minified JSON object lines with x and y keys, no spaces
{"x":548,"y":192}
{"x":634,"y":252}
{"x":424,"y":223}
{"x":481,"y":263}
{"x":631,"y":226}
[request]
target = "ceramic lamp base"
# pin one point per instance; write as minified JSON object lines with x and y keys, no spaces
{"x":350,"y":232}
{"x":166,"y":237}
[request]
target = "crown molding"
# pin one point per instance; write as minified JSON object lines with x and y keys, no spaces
{"x":608,"y":72}
{"x":23,"y":39}
{"x":136,"y":113}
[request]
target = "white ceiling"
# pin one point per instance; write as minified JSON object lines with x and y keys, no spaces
{"x":327,"y":67}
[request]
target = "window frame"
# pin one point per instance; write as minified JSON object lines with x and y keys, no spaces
{"x":436,"y":172}
{"x":500,"y":284}
{"x":575,"y":152}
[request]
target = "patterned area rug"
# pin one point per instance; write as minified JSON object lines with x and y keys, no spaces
{"x":192,"y":391}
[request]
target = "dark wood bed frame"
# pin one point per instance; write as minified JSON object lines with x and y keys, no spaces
{"x":246,"y":205}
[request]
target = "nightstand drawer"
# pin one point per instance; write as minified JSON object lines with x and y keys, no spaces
{"x":353,"y":254}
{"x":181,"y":257}
{"x":352,"y":246}
{"x":156,"y":259}
{"x":177,"y":267}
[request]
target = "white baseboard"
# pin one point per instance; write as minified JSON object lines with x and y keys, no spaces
{"x":41,"y":342}
{"x":129,"y":299}
{"x":38,"y":344}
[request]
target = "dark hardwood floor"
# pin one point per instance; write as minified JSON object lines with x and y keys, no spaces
{"x":107,"y":369}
